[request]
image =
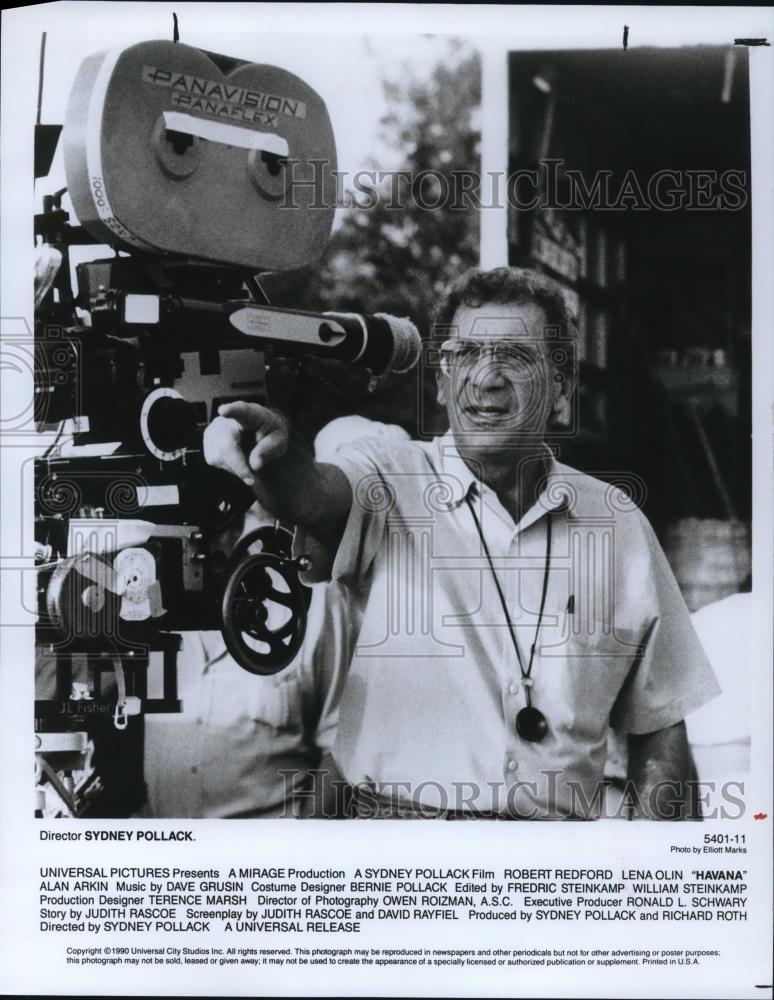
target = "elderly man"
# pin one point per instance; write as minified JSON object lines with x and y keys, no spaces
{"x":513,"y":608}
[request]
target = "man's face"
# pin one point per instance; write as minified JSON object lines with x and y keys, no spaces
{"x":497,"y":381}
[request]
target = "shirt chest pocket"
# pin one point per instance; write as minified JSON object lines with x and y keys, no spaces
{"x":583,"y":670}
{"x":574,"y":632}
{"x":277,"y":702}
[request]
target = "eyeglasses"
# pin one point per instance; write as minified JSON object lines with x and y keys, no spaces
{"x":516,"y":354}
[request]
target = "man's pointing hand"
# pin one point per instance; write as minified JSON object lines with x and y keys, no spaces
{"x":244,"y":438}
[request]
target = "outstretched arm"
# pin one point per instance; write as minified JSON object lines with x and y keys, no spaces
{"x":662,"y":772}
{"x":257,"y":444}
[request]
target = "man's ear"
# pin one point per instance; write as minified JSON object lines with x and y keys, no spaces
{"x":561,"y":412}
{"x":440,"y":380}
{"x":564,"y":387}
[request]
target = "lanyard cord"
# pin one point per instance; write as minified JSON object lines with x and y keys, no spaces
{"x":526,"y":675}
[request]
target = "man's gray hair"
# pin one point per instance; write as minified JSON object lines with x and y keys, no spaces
{"x":506,"y":286}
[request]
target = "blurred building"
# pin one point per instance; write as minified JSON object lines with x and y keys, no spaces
{"x":642,"y":212}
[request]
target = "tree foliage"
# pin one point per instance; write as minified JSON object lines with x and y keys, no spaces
{"x":396,"y":255}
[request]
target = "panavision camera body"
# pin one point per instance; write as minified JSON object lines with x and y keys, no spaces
{"x":199,"y":172}
{"x":172,"y":150}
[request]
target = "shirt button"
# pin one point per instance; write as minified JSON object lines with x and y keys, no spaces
{"x":512,"y":688}
{"x":199,"y":721}
{"x":194,"y":770}
{"x":511,"y":765}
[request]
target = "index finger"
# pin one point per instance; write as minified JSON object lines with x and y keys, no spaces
{"x":251,"y":416}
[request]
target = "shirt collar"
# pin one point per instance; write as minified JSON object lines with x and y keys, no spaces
{"x":556,"y":496}
{"x":458,"y":477}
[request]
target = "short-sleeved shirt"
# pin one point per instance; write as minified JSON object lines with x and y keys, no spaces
{"x":429,"y":709}
{"x":244,"y":744}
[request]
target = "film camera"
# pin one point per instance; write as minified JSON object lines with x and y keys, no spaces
{"x":200,"y":172}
